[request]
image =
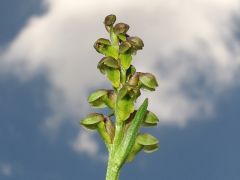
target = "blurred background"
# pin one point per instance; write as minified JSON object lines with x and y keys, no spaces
{"x":48,"y":68}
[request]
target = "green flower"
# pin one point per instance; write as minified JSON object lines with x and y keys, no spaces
{"x":120,"y":130}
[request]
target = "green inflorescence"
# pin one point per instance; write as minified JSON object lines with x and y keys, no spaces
{"x":122,"y":136}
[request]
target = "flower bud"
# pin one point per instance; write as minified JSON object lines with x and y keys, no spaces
{"x":109,"y":127}
{"x":104,"y":41}
{"x":110,"y":66}
{"x":129,"y":91}
{"x":150,"y":119}
{"x":120,"y":28}
{"x":92,"y":120}
{"x":149,"y":142}
{"x":134,"y":79}
{"x":122,"y":37}
{"x":96,"y":98}
{"x":151,"y":148}
{"x":112,"y":96}
{"x":148,"y":81}
{"x":100,"y":44}
{"x":124,"y":46}
{"x":133,"y":91}
{"x":146,"y":139}
{"x":130,"y":71}
{"x":129,"y":120}
{"x":107,"y":62}
{"x":110,"y":99}
{"x":136,"y":42}
{"x":110,"y":20}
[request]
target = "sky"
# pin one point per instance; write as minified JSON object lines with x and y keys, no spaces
{"x":48,"y":68}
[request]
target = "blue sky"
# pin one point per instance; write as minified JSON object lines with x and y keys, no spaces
{"x":43,"y":86}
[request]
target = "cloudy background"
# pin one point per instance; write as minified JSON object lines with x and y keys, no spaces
{"x":48,"y":67}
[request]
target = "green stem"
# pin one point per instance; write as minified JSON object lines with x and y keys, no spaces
{"x":123,"y":76}
{"x":113,"y":170}
{"x":118,"y":135}
{"x":114,"y":161}
{"x":114,"y":39}
{"x":104,"y":135}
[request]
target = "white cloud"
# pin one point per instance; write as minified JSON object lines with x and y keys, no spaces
{"x":6,"y":169}
{"x":185,"y":46}
{"x":85,"y":143}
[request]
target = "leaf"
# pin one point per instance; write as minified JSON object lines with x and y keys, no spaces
{"x":114,"y":76}
{"x":150,"y":119}
{"x":135,"y":150}
{"x":122,"y":37}
{"x":111,"y":51}
{"x":131,"y":134}
{"x":125,"y":107}
{"x":114,"y":38}
{"x":122,"y":92}
{"x":146,"y":142}
{"x":125,"y":101}
{"x":91,"y":121}
{"x":146,"y":139}
{"x":148,"y":81}
{"x":125,"y":60}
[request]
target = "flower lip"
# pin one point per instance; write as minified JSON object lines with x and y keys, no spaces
{"x":121,"y":28}
{"x":136,"y":42}
{"x":110,"y":20}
